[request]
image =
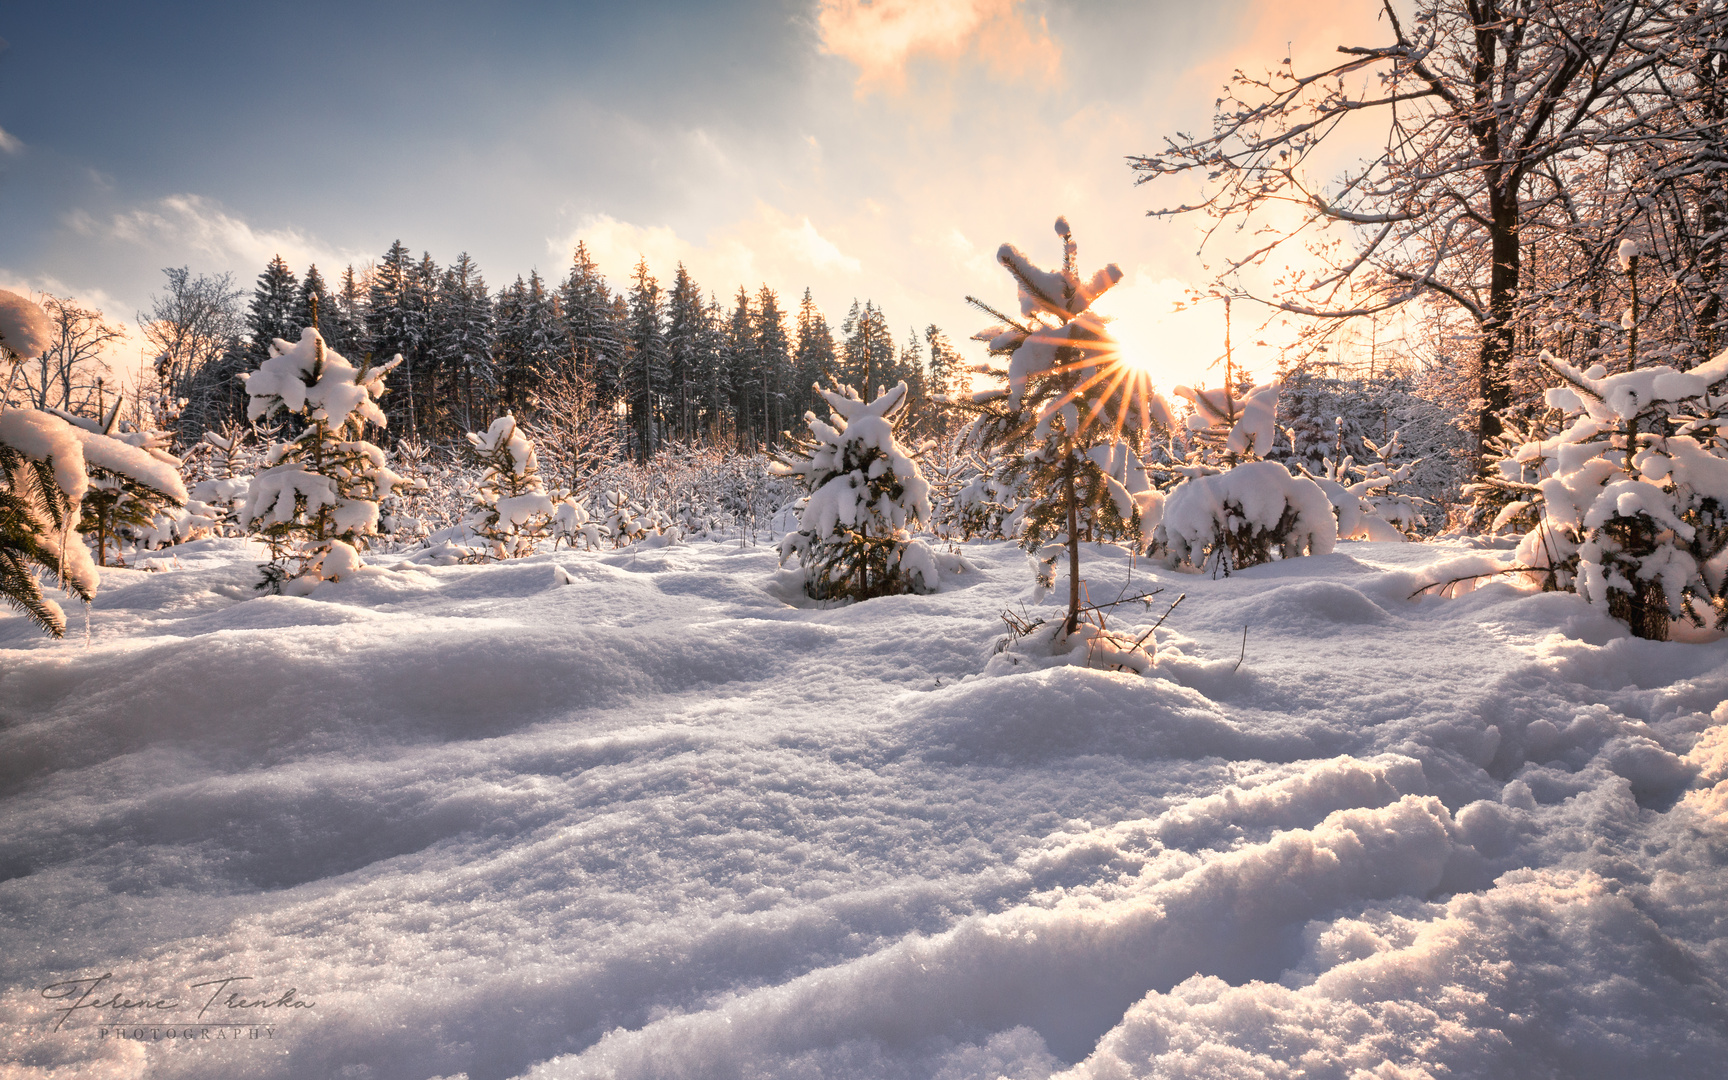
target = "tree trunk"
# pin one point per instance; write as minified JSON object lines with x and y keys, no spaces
{"x":1073,"y":501}
{"x":1499,"y":339}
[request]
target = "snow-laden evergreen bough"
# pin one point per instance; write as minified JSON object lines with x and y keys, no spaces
{"x":118,"y":508}
{"x":45,"y":475}
{"x":1061,"y":426}
{"x":317,"y":498}
{"x":865,"y":495}
{"x":511,"y":507}
{"x":1631,"y":496}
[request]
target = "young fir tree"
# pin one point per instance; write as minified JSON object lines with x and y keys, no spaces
{"x":865,"y":494}
{"x":511,"y":508}
{"x":1063,"y":428}
{"x":1232,"y":509}
{"x":317,"y":499}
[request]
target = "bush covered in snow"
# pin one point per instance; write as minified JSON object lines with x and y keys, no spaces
{"x":1230,"y":509}
{"x":1251,"y":514}
{"x":1630,"y":497}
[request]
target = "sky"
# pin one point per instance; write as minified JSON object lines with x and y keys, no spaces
{"x":865,"y":150}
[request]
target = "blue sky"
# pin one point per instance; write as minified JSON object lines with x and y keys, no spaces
{"x":865,"y":150}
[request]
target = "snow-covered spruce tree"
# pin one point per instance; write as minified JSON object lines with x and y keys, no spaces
{"x":1063,"y":420}
{"x":317,"y":497}
{"x":511,"y":508}
{"x":1631,"y":497}
{"x":865,"y":494}
{"x":45,"y":466}
{"x":225,"y":464}
{"x":1232,"y":509}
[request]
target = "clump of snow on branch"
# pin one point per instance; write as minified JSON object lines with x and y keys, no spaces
{"x":25,"y":330}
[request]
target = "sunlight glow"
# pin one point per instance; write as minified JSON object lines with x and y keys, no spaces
{"x":1180,"y":347}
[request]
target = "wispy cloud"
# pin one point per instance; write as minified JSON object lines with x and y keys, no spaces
{"x":768,"y":246}
{"x":883,"y":37}
{"x":181,"y":225}
{"x":10,"y":143}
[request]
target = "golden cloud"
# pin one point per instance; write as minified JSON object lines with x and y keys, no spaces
{"x":883,"y":36}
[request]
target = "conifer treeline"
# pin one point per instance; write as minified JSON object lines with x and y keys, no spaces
{"x":669,"y":363}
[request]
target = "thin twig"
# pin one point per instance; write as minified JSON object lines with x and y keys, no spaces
{"x":1444,"y":585}
{"x":1137,"y":598}
{"x":1160,"y":621}
{"x":1244,"y":653}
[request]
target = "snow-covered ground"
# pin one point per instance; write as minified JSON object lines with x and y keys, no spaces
{"x":635,"y":815}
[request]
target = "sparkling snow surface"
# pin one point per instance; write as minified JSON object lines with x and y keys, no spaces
{"x":635,"y":815}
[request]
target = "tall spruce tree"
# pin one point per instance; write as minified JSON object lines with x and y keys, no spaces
{"x":814,"y":361}
{"x":685,"y":319}
{"x":348,"y":322}
{"x":391,"y":324}
{"x":716,"y":368}
{"x":868,"y":355}
{"x":464,"y":336}
{"x":741,"y":367}
{"x":645,"y":347}
{"x":272,"y":314}
{"x":774,"y":360}
{"x":312,"y":285}
{"x":510,"y":353}
{"x":586,"y":303}
{"x":545,"y":344}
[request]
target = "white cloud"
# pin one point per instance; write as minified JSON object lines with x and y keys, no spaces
{"x":9,"y":142}
{"x":185,"y":224}
{"x":812,"y":247}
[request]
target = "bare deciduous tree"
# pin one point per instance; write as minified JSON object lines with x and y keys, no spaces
{"x":196,"y":329}
{"x":68,"y":375}
{"x":1496,"y":113}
